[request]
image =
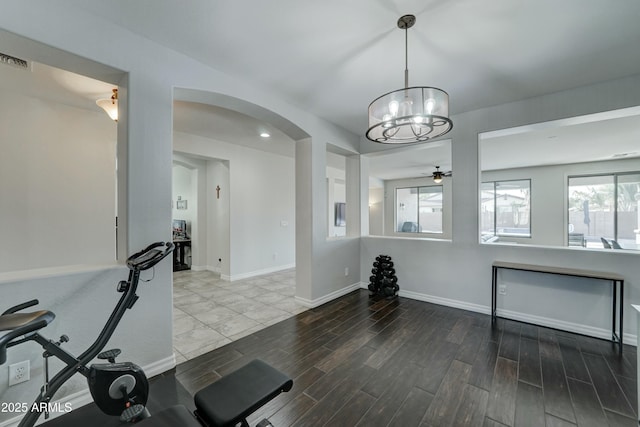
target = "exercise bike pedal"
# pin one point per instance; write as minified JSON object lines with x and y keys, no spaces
{"x":264,"y":423}
{"x":110,"y":355}
{"x":134,"y":414}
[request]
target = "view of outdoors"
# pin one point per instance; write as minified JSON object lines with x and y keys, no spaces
{"x":604,"y":210}
{"x":505,"y":209}
{"x":419,"y":209}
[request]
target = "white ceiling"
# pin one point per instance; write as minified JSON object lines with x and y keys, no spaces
{"x":411,"y":162}
{"x":333,"y":58}
{"x":226,"y":125}
{"x":53,"y":84}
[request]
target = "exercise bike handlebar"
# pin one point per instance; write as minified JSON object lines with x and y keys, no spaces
{"x":22,"y":306}
{"x":149,"y":256}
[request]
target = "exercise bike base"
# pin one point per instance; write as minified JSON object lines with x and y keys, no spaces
{"x":105,"y":379}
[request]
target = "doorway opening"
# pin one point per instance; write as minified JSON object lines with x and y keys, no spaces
{"x":237,"y":190}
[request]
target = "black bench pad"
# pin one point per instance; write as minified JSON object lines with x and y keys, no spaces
{"x":175,"y":416}
{"x":235,"y":396}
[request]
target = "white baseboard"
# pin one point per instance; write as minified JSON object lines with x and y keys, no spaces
{"x":241,"y":276}
{"x":566,"y":326}
{"x":255,"y":273}
{"x":160,"y":366}
{"x":445,"y":301}
{"x":83,"y":397}
{"x":523,"y":317}
{"x":329,"y":297}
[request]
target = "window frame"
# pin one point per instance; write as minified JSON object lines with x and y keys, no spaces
{"x":495,"y":210}
{"x":417,"y":188}
{"x":615,"y":176}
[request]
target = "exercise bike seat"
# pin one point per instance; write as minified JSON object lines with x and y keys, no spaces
{"x":9,"y":322}
{"x":13,"y":325}
{"x":235,"y":396}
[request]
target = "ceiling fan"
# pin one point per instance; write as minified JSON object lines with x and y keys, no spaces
{"x":438,"y":175}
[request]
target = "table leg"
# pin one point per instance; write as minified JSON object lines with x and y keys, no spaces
{"x":494,"y":285}
{"x":621,"y":311}
{"x":614,"y":310}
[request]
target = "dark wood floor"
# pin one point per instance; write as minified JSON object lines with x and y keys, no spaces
{"x":359,"y":361}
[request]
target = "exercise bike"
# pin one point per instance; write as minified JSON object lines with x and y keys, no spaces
{"x":119,"y":389}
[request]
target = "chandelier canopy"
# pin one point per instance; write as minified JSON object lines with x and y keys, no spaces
{"x":412,"y":114}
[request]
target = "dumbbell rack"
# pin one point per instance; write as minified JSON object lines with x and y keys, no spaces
{"x":383,"y":281}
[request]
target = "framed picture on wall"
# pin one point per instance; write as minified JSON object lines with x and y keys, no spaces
{"x":181,"y":204}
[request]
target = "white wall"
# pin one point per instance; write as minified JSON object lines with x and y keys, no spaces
{"x":185,"y":189}
{"x":57,"y":184}
{"x":376,"y":210}
{"x":458,"y":273}
{"x":218,"y":217}
{"x":145,"y":138}
{"x":261,"y":197}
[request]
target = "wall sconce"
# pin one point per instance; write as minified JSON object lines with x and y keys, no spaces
{"x":110,"y":105}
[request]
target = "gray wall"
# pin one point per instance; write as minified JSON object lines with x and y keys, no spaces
{"x":145,"y":144}
{"x":458,"y":273}
{"x":252,"y":225}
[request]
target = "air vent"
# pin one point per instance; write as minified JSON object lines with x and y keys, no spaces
{"x":13,"y":61}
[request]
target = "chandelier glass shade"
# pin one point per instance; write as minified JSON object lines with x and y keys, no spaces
{"x":412,"y":114}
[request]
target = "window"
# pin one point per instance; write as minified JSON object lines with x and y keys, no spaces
{"x":336,"y":194}
{"x":603,"y":210}
{"x":419,"y":209}
{"x":506,"y":208}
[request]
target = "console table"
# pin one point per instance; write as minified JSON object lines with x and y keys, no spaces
{"x":617,"y":282}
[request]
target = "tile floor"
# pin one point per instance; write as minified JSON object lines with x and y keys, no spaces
{"x":209,"y":312}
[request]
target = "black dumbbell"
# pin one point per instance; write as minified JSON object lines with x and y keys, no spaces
{"x":390,"y":272}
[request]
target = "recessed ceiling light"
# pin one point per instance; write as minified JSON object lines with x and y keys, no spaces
{"x":265,"y":135}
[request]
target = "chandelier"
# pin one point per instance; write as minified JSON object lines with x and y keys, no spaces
{"x":409,"y":115}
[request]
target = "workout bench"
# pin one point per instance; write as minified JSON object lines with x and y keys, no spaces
{"x":228,"y":401}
